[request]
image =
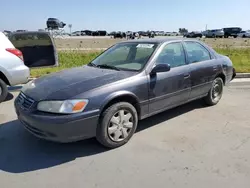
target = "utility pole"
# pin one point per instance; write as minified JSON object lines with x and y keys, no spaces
{"x":206,"y":27}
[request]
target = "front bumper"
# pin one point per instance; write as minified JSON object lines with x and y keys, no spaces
{"x":59,"y":128}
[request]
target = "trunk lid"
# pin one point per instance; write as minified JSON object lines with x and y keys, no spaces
{"x":38,"y":48}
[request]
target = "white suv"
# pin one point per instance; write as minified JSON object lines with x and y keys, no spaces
{"x":244,"y":34}
{"x":12,"y":68}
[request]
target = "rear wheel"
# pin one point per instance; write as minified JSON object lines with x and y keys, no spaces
{"x":117,"y":125}
{"x":215,"y":93}
{"x":3,"y":90}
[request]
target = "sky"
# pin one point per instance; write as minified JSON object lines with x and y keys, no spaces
{"x":124,"y":15}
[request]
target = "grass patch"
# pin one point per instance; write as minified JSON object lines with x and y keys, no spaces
{"x":239,"y":56}
{"x":68,"y":59}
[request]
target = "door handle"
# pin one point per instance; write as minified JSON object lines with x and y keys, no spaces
{"x":186,"y":76}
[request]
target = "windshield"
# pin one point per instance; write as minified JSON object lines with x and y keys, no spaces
{"x":131,"y":56}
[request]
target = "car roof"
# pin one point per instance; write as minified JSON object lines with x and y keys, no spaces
{"x":160,"y":40}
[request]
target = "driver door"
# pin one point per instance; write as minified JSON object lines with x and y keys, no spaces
{"x":168,"y":89}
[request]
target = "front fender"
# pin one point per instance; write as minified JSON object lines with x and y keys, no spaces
{"x":118,"y":94}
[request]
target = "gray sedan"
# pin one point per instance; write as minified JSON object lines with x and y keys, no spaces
{"x":128,"y":82}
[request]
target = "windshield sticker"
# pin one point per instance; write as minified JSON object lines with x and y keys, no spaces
{"x":145,"y":46}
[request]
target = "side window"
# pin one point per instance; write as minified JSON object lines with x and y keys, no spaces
{"x":172,"y":54}
{"x":196,"y":52}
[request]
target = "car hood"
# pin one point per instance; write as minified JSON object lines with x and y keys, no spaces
{"x":69,"y":83}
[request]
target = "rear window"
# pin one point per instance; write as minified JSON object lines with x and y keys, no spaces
{"x":30,"y":39}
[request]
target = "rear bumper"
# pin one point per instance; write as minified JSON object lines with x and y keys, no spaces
{"x":59,"y":128}
{"x":19,"y":75}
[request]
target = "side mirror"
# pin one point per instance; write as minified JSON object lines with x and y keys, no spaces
{"x":160,"y":68}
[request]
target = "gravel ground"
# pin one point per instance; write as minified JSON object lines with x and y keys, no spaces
{"x":189,"y":146}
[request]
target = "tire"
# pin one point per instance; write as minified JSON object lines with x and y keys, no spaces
{"x":3,"y":90}
{"x":111,"y":139}
{"x":215,"y":93}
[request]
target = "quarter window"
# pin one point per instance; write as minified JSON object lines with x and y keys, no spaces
{"x":172,"y":54}
{"x":196,"y":52}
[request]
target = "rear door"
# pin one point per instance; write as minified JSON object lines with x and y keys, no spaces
{"x":203,"y":68}
{"x":37,"y":47}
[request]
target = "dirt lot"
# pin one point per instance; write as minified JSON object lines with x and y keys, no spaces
{"x":99,"y":43}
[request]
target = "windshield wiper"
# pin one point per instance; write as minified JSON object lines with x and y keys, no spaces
{"x":108,"y":67}
{"x":92,"y":64}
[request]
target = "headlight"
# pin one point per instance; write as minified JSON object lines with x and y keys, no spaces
{"x":63,"y":107}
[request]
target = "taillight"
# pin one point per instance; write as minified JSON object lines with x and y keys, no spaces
{"x":15,"y":52}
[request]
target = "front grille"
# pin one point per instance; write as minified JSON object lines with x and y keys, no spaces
{"x":25,"y":101}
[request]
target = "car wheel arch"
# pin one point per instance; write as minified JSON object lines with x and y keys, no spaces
{"x":4,"y":78}
{"x":222,"y":76}
{"x":121,"y":96}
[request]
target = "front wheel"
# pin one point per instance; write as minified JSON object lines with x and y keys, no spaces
{"x":215,"y":93}
{"x":117,"y":125}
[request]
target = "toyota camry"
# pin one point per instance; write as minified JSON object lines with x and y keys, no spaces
{"x":128,"y":82}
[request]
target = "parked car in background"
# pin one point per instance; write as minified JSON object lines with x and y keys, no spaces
{"x":102,"y":33}
{"x":193,"y":34}
{"x":86,"y":32}
{"x":130,"y":81}
{"x":143,"y":33}
{"x":214,"y":33}
{"x":151,"y":34}
{"x":231,"y":31}
{"x":6,"y":32}
{"x":12,"y":68}
{"x":244,"y":34}
{"x":95,"y":33}
{"x":77,"y":33}
{"x":119,"y":34}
